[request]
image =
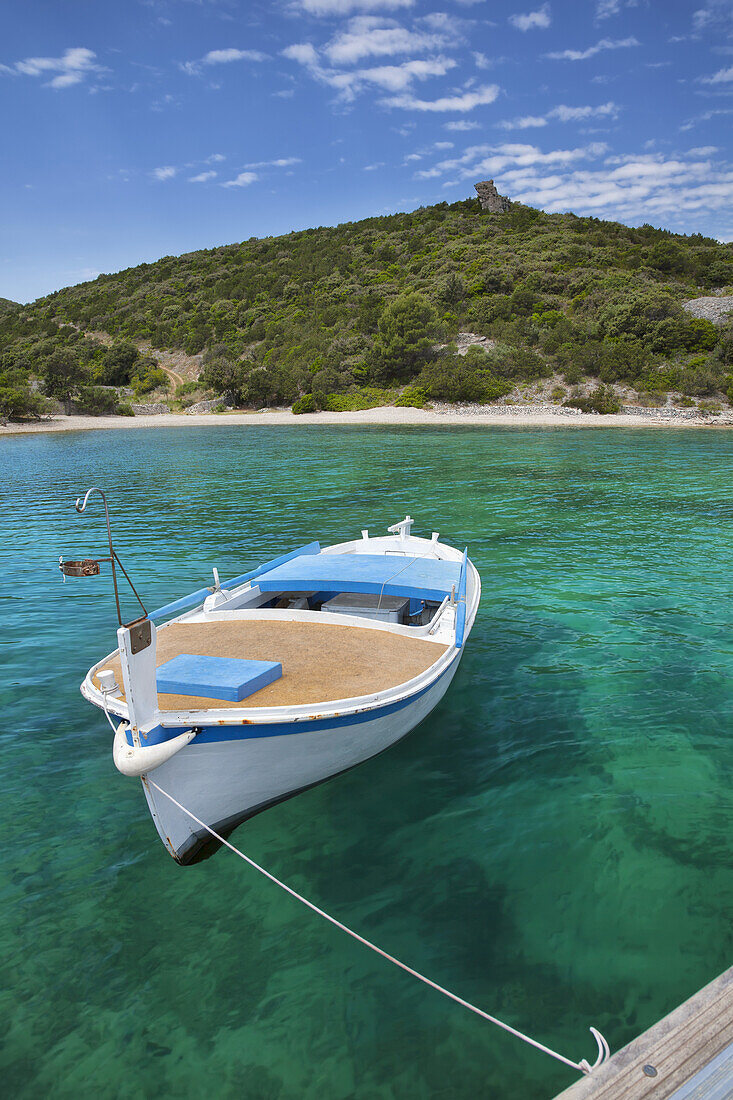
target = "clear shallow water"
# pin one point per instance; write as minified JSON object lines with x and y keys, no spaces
{"x":553,"y":843}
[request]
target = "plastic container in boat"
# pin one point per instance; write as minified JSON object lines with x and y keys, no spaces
{"x":387,"y":609}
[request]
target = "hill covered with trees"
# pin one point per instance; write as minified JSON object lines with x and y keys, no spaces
{"x":366,"y":312}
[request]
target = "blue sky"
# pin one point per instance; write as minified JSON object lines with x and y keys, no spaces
{"x":144,"y":128}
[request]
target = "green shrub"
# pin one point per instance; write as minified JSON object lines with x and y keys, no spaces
{"x":148,"y":376}
{"x":304,"y":404}
{"x":125,"y":409}
{"x":406,"y":333}
{"x":603,"y":400}
{"x":724,"y":351}
{"x":19,"y":402}
{"x":366,"y":397}
{"x":700,"y":334}
{"x":118,"y":362}
{"x":703,"y":381}
{"x":187,"y":388}
{"x":412,"y":397}
{"x":522,"y":364}
{"x":96,"y":401}
{"x":452,"y":379}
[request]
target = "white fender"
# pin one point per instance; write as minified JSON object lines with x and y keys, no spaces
{"x":131,"y":760}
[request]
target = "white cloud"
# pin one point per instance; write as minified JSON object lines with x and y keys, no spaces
{"x":348,"y":83}
{"x":703,"y":151}
{"x":462,"y":125}
{"x":394,"y":78}
{"x":525,"y":122}
{"x":222,"y":57}
{"x":166,"y":173}
{"x":640,"y":187}
{"x":533,"y":20}
{"x":465,"y":101}
{"x":202,"y":177}
{"x":713,"y":13}
{"x":242,"y":180}
{"x":494,"y":159}
{"x":302,"y":52}
{"x":706,"y":117}
{"x":482,"y":61}
{"x":627,"y":186}
{"x":376,"y":37}
{"x":578,"y":114}
{"x":607,"y":8}
{"x":215,"y":158}
{"x":604,"y":44}
{"x":369,"y":36}
{"x":723,"y":76}
{"x":281,"y":162}
{"x":71,"y":68}
{"x":562,"y":113}
{"x":346,"y":7}
{"x":436,"y":147}
{"x":374,"y":167}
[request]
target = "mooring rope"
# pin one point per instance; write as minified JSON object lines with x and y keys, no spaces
{"x":583,"y":1066}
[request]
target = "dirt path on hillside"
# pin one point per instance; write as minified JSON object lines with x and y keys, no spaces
{"x":179,"y":367}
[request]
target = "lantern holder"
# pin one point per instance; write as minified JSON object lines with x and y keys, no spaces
{"x":89,"y":567}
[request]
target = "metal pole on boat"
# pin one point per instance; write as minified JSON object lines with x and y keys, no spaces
{"x":80,"y":508}
{"x":67,"y":568}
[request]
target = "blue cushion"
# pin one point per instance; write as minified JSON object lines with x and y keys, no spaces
{"x":228,"y":678}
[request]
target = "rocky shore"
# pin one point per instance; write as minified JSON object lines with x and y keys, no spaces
{"x":515,"y":416}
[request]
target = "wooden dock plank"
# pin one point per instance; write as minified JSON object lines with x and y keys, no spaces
{"x":678,"y":1048}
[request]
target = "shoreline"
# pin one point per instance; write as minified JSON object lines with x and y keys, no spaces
{"x":383,"y":415}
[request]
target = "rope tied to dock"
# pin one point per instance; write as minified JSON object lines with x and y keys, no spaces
{"x":583,"y":1066}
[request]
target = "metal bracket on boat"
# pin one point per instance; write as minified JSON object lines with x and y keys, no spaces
{"x":217,"y":595}
{"x":89,"y":567}
{"x":402,"y":528}
{"x":134,"y":760}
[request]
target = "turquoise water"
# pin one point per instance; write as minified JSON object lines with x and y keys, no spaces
{"x":553,"y":843}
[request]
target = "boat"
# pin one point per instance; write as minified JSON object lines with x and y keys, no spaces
{"x":245,"y":693}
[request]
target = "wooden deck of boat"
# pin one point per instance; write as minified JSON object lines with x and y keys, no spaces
{"x":686,"y":1056}
{"x":320,"y":662}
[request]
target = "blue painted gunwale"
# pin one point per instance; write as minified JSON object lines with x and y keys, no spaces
{"x":196,"y":598}
{"x":461,"y":597}
{"x":214,"y":734}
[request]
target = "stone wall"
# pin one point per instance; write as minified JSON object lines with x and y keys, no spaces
{"x":667,"y":412}
{"x":208,"y":406}
{"x":150,"y":410}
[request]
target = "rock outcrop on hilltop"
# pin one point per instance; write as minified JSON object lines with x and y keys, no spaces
{"x":490,"y":198}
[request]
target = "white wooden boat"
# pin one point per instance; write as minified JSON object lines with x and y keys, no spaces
{"x":258,"y":688}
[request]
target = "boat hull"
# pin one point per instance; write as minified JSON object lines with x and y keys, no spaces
{"x":228,"y":780}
